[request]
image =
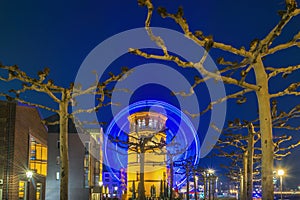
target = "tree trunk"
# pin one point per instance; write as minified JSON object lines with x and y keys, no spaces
{"x":141,"y":192}
{"x":265,"y":119}
{"x":166,"y":190}
{"x":187,"y":184}
{"x":210,"y":188}
{"x":161,"y":190}
{"x":250,"y":150}
{"x":204,"y":185}
{"x":241,"y":197}
{"x":171,"y":177}
{"x":195,"y":185}
{"x":245,"y":173}
{"x":64,"y":157}
{"x":133,"y":190}
{"x":214,"y":181}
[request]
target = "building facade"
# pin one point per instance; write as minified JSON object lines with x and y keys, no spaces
{"x":85,"y":162}
{"x":23,"y":149}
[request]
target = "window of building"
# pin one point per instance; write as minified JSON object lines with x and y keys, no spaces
{"x":155,"y":124}
{"x":22,"y":185}
{"x":96,"y":180}
{"x":150,"y":123}
{"x":38,"y":193}
{"x":86,"y":164}
{"x":86,"y":161}
{"x":97,"y":167}
{"x":57,"y":176}
{"x":131,"y":127}
{"x":159,"y":125}
{"x":86,"y":180}
{"x":57,"y":160}
{"x":38,"y":157}
{"x":87,"y":147}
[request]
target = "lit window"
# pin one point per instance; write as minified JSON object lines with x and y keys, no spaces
{"x":22,"y":185}
{"x":38,"y":157}
{"x":57,"y":176}
{"x":86,"y":164}
{"x":38,"y":192}
{"x":150,"y":123}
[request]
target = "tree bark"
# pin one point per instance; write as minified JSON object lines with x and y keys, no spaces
{"x":242,"y":186}
{"x":64,"y":157}
{"x":204,"y":185}
{"x":210,"y":194}
{"x":265,"y":119}
{"x":250,"y":150}
{"x":195,"y":185}
{"x":141,"y":192}
{"x":245,"y":173}
{"x":187,"y":183}
{"x":171,"y":176}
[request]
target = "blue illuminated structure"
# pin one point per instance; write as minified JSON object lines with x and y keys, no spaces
{"x":179,"y":129}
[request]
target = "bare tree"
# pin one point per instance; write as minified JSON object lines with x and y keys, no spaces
{"x":248,"y":153}
{"x":252,"y":60}
{"x":187,"y":165}
{"x":246,"y":146}
{"x":141,"y":145}
{"x":63,"y":97}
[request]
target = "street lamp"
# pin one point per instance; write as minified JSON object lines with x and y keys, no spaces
{"x":280,"y":173}
{"x":211,"y":177}
{"x":116,"y":191}
{"x":210,"y":171}
{"x":29,"y":175}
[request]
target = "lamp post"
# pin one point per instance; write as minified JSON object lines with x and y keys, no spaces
{"x":204,"y":184}
{"x":116,"y":191}
{"x":280,"y":173}
{"x":29,"y":175}
{"x":211,"y":176}
{"x":101,"y":187}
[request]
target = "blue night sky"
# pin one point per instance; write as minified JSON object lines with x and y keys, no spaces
{"x":60,"y":35}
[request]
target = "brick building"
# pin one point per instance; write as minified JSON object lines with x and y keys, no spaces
{"x":23,"y":147}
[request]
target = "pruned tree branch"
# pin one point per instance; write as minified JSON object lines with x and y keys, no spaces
{"x":10,"y":98}
{"x":290,"y":90}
